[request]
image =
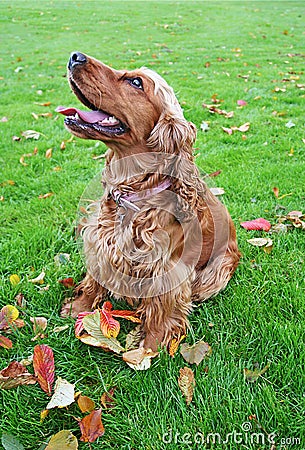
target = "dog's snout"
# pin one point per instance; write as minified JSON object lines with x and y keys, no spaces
{"x":76,"y":59}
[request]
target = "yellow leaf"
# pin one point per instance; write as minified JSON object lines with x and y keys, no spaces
{"x":63,"y":394}
{"x":63,"y":440}
{"x":10,"y":312}
{"x":14,"y":279}
{"x":39,"y":279}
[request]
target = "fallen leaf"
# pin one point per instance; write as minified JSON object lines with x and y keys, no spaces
{"x":63,"y":394}
{"x":215,"y":174}
{"x":39,"y":326}
{"x":43,"y":104}
{"x":253,"y":375}
{"x":194,"y":354}
{"x":49,"y":153}
{"x":276,"y":191}
{"x":63,"y":440}
{"x":62,"y":259}
{"x":44,"y":413}
{"x":204,"y":126}
{"x":214,"y":110}
{"x":14,"y":279}
{"x":15,"y":374}
{"x":241,"y":103}
{"x":5,"y":342}
{"x":174,"y":345}
{"x":31,"y":134}
{"x":187,"y":383}
{"x":4,"y":119}
{"x":227,"y":130}
{"x":257,"y":224}
{"x":39,"y":279}
{"x":91,"y":323}
{"x":260,"y":242}
{"x":243,"y":128}
{"x":60,"y":328}
{"x":8,"y":315}
{"x":20,"y":300}
{"x":10,"y":442}
{"x":133,"y":338}
{"x":85,"y":404}
{"x":91,"y":426}
{"x":217,"y":191}
{"x":44,"y":367}
{"x":140,"y":358}
{"x":290,"y":124}
{"x":62,"y":145}
{"x":67,"y":282}
{"x":48,"y":194}
{"x":107,"y":399}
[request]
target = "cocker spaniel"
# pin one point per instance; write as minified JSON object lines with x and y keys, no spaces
{"x":159,"y":238}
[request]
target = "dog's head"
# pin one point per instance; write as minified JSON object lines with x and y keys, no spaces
{"x":128,"y":109}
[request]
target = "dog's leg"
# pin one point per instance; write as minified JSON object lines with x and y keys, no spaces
{"x":165,"y":316}
{"x":87,"y":294}
{"x":216,"y":275}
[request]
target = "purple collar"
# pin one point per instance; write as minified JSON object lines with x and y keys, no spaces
{"x":127,"y":200}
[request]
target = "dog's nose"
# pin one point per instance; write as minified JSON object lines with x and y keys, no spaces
{"x":76,"y":58}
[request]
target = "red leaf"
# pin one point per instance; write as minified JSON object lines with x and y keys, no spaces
{"x":257,"y":224}
{"x":79,"y":322}
{"x":241,"y":103}
{"x":44,"y":367}
{"x":67,"y":282}
{"x":125,"y":314}
{"x":91,"y":426}
{"x":109,"y":326}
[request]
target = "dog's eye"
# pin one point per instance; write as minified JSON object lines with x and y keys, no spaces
{"x":136,"y":82}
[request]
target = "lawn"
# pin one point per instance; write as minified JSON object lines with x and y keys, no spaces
{"x":251,"y":51}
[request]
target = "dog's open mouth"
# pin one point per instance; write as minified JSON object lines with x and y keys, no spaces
{"x":95,"y":120}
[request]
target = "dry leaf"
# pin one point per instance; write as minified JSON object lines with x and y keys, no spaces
{"x":174,"y":345}
{"x":276,"y":191}
{"x":63,"y":440}
{"x":253,"y":375}
{"x":214,"y":110}
{"x":5,"y":342}
{"x":31,"y":134}
{"x":260,"y":242}
{"x":39,"y":326}
{"x":60,"y":328}
{"x":62,"y":259}
{"x":49,"y":153}
{"x":39,"y":279}
{"x":217,"y":191}
{"x":63,"y":394}
{"x":133,"y":338}
{"x":67,"y":282}
{"x":8,"y":315}
{"x":241,"y":103}
{"x":194,"y":354}
{"x":48,"y":194}
{"x":62,"y":145}
{"x":187,"y":383}
{"x":257,"y":224}
{"x":107,"y":399}
{"x":140,"y":358}
{"x":85,"y":404}
{"x":15,"y":374}
{"x":44,"y":367}
{"x":227,"y":130}
{"x":91,"y":426}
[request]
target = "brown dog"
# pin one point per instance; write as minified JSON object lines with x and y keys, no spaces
{"x":159,"y":238}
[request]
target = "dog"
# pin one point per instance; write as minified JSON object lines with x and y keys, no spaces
{"x":159,"y":238}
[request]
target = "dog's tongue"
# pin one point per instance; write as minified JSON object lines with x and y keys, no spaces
{"x":86,"y":116}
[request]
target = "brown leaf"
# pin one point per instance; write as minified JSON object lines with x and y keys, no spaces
{"x":49,"y":153}
{"x":44,"y":367}
{"x":276,"y":191}
{"x":48,"y":194}
{"x":107,"y":399}
{"x":187,"y":383}
{"x":91,"y":426}
{"x":5,"y":342}
{"x":174,"y":345}
{"x":140,"y":358}
{"x":31,"y":134}
{"x":39,"y":326}
{"x":253,"y":375}
{"x":62,"y":145}
{"x":15,"y":374}
{"x":85,"y":404}
{"x":194,"y":354}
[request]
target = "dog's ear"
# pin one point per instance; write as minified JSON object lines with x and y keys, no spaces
{"x":172,"y":134}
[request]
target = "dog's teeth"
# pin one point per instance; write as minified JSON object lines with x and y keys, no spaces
{"x":109,"y":120}
{"x":76,"y":116}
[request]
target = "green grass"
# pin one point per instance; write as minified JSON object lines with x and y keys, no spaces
{"x":259,"y":318}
